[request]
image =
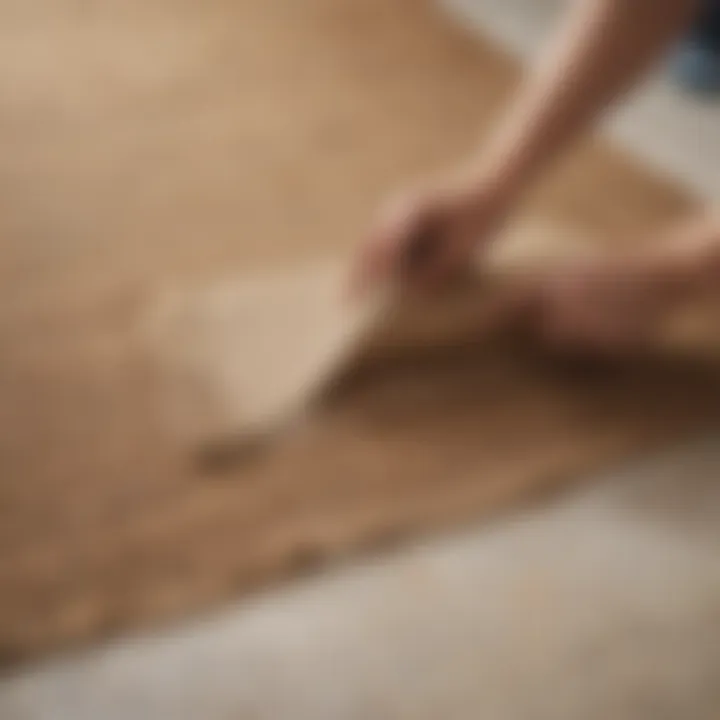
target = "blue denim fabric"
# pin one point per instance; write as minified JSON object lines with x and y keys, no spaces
{"x":697,"y":64}
{"x":706,"y":30}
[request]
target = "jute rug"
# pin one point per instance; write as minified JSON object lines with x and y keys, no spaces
{"x":173,"y":141}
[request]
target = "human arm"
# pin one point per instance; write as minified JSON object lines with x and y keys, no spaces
{"x":601,"y":50}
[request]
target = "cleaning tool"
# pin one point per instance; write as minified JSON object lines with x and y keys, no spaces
{"x":244,"y":358}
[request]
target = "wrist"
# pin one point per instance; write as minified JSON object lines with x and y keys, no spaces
{"x":508,"y":163}
{"x":486,"y":195}
{"x":703,"y":242}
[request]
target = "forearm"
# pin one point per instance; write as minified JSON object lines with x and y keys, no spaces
{"x":694,"y":248}
{"x":603,"y":48}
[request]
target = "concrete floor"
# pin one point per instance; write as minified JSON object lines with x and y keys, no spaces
{"x":606,"y":604}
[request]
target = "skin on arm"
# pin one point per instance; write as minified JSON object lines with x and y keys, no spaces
{"x":602,"y":49}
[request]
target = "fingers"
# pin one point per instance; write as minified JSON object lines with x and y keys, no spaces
{"x":565,"y":313}
{"x":596,"y":309}
{"x":368,"y":268}
{"x":401,"y":247}
{"x":376,"y":256}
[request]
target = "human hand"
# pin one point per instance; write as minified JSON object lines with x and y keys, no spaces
{"x":424,"y":236}
{"x":613,"y":303}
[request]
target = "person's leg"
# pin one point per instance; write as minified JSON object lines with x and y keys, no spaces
{"x":697,"y":64}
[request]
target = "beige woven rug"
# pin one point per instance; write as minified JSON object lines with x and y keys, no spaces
{"x":151,"y":143}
